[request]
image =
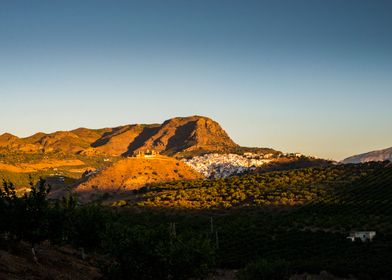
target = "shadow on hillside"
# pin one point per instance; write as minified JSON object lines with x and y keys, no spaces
{"x":108,"y":135}
{"x":141,"y":139}
{"x":180,"y":140}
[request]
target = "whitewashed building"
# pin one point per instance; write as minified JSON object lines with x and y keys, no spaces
{"x":362,"y":235}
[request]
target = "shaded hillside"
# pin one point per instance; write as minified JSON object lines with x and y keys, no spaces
{"x":371,"y":195}
{"x":293,"y":163}
{"x":133,"y":173}
{"x":177,"y":136}
{"x":118,"y":141}
{"x":54,"y":263}
{"x":380,"y":155}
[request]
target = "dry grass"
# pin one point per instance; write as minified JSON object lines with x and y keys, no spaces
{"x":133,"y":173}
{"x":43,"y":165}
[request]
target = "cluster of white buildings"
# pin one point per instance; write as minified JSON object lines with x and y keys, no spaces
{"x":361,"y":235}
{"x":224,"y":165}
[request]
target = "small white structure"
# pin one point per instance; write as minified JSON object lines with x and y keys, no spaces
{"x":362,"y":235}
{"x":146,"y":154}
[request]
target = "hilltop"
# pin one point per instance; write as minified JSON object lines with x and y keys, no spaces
{"x":134,"y":173}
{"x":380,"y":155}
{"x":180,"y":136}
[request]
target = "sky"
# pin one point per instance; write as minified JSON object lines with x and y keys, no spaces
{"x":306,"y":76}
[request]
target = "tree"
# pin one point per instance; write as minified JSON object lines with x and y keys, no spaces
{"x":7,"y":203}
{"x":25,"y":217}
{"x":36,"y":216}
{"x":142,"y":252}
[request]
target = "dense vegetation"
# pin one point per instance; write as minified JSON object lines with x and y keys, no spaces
{"x":137,"y":248}
{"x":264,"y":239}
{"x":293,"y":162}
{"x":289,"y":188}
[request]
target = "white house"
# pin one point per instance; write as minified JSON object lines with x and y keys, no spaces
{"x":362,"y":235}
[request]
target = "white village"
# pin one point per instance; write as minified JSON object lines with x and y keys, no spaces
{"x":224,"y":165}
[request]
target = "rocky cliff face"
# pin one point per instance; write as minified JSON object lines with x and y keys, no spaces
{"x":182,"y":135}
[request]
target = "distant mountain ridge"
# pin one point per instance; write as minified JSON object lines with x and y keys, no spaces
{"x":176,"y":136}
{"x":380,"y":155}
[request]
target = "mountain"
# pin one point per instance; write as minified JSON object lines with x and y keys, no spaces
{"x":13,"y":142}
{"x":175,"y":137}
{"x":182,"y":135}
{"x":379,"y":155}
{"x":7,"y":138}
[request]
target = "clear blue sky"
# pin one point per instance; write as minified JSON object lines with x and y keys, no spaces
{"x":309,"y":76}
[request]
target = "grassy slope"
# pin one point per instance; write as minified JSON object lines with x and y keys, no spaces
{"x":133,"y":173}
